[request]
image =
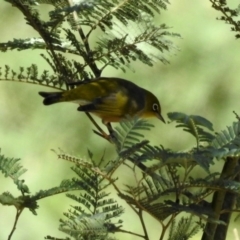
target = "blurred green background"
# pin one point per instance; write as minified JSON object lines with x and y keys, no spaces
{"x":201,"y":79}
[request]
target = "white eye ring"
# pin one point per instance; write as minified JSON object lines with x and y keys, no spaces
{"x":155,"y":107}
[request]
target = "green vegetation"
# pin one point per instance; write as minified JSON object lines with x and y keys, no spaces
{"x":151,"y":181}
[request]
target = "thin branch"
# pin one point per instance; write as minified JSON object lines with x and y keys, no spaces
{"x":19,"y":211}
{"x":31,"y":82}
{"x":129,"y":232}
{"x":101,"y":133}
{"x":165,"y":227}
{"x":43,"y":34}
{"x":143,"y":224}
{"x":88,"y":56}
{"x":223,"y":11}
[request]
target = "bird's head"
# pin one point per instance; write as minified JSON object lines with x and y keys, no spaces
{"x":152,"y":107}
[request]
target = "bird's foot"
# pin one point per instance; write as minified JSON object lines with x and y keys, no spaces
{"x":109,"y":137}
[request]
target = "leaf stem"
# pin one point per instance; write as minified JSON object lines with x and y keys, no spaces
{"x":19,"y":211}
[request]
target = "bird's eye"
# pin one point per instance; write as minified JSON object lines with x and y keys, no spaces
{"x":155,"y":107}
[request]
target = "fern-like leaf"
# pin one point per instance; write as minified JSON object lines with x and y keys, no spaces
{"x":185,"y":229}
{"x":31,"y":75}
{"x":128,"y":135}
{"x":65,"y":186}
{"x":94,"y":208}
{"x":194,"y":125}
{"x":227,"y":142}
{"x":10,"y":167}
{"x":86,"y":227}
{"x":200,"y":156}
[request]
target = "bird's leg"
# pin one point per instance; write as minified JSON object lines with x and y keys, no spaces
{"x":100,"y":132}
{"x":111,"y":136}
{"x":109,"y":127}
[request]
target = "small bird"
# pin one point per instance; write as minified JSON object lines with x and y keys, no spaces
{"x":111,"y":99}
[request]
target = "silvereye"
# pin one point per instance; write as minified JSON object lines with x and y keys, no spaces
{"x":111,"y":99}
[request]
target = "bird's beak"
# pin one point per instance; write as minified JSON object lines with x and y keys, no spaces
{"x":159,"y":116}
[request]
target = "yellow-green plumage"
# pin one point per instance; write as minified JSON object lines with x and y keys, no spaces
{"x":111,"y":99}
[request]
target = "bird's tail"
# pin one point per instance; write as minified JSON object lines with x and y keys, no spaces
{"x":51,"y":97}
